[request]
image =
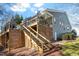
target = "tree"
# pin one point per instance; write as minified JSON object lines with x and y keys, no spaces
{"x":18,"y":19}
{"x":74,"y":33}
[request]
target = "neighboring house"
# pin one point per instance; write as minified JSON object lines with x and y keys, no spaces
{"x":50,"y":23}
{"x":12,"y":37}
{"x":9,"y":25}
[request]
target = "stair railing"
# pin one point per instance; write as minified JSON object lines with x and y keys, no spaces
{"x":33,"y":34}
{"x":40,"y":35}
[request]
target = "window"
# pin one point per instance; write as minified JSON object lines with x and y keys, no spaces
{"x":67,"y":27}
{"x":54,"y":20}
{"x":61,"y":23}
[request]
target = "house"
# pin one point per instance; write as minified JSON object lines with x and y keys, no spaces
{"x":50,"y":23}
{"x":38,"y":32}
{"x":11,"y":37}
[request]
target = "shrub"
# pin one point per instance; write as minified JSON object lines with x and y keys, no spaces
{"x":67,"y":36}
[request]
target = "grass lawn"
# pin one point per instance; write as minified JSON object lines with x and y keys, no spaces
{"x":71,"y":48}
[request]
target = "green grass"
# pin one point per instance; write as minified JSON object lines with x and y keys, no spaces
{"x":71,"y":48}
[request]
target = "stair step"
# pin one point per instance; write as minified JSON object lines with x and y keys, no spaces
{"x":49,"y":45}
{"x":45,"y":48}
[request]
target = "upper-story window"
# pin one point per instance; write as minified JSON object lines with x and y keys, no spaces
{"x":54,"y":20}
{"x":61,"y":23}
{"x":67,"y":27}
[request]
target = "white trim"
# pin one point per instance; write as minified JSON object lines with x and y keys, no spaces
{"x":55,"y":36}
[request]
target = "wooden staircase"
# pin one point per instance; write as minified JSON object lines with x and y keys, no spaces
{"x":47,"y":42}
{"x":41,"y":41}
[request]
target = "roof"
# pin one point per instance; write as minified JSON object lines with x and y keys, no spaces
{"x":49,"y":10}
{"x":54,"y":10}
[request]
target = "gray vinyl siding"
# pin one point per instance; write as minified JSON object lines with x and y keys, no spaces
{"x":60,"y":24}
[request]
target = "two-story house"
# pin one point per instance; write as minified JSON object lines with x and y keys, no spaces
{"x":50,"y":23}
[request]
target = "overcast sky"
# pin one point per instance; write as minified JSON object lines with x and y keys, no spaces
{"x":30,"y":9}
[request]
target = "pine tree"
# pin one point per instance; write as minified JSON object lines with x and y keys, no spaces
{"x":18,"y":19}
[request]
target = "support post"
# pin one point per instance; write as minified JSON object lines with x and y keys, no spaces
{"x":55,"y":36}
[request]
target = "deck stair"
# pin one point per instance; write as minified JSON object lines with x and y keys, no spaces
{"x":41,"y":41}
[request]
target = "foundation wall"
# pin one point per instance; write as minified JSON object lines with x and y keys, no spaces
{"x":16,"y":39}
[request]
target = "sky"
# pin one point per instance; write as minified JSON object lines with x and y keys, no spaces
{"x":30,"y":9}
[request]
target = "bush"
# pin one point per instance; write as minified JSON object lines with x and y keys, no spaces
{"x":67,"y":36}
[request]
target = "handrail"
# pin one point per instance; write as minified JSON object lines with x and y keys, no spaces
{"x":4,"y":32}
{"x":37,"y":44}
{"x":33,"y":34}
{"x":40,"y":35}
{"x":39,"y":41}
